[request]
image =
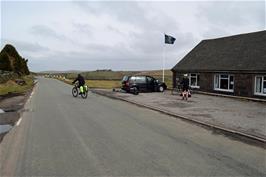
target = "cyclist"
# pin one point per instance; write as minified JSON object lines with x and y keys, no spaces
{"x":81,"y":83}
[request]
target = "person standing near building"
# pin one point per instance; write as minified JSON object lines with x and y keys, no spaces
{"x":185,"y":87}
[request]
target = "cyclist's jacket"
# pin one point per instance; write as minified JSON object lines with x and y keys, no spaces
{"x":80,"y":79}
{"x":185,"y":83}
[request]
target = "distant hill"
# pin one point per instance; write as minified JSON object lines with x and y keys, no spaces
{"x":10,"y":60}
{"x":110,"y":75}
{"x":60,"y":72}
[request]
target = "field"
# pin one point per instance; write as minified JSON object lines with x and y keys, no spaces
{"x":112,"y":79}
{"x":11,"y":87}
{"x":105,"y":84}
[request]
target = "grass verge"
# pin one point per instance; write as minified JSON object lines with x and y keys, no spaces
{"x":12,"y":87}
{"x":104,"y":84}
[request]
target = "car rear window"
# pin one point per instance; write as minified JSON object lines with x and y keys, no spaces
{"x":137,"y":79}
{"x":125,"y":78}
{"x":141,"y":79}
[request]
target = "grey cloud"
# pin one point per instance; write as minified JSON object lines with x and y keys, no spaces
{"x":153,"y":43}
{"x":83,"y":28}
{"x":215,"y":31}
{"x":133,"y":13}
{"x":221,"y":17}
{"x":97,"y":47}
{"x":26,"y":46}
{"x":149,"y":42}
{"x":235,"y":13}
{"x":46,"y":31}
{"x":115,"y":29}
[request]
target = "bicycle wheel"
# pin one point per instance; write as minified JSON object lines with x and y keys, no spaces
{"x":75,"y":92}
{"x":84,"y":95}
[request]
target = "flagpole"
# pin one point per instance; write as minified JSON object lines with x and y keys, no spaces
{"x":163,"y":60}
{"x":167,"y":40}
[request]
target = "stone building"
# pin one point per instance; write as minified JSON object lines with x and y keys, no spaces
{"x":234,"y":65}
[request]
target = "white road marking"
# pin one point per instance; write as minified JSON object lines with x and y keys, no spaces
{"x":18,"y":122}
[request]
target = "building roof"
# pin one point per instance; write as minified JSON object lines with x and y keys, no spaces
{"x":244,"y":52}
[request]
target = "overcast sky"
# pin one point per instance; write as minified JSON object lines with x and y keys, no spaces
{"x":87,"y":35}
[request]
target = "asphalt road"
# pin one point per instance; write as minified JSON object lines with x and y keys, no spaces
{"x":64,"y":136}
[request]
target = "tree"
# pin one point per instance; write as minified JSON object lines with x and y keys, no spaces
{"x":11,"y":61}
{"x":5,"y":62}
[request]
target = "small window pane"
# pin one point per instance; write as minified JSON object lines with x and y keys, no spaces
{"x":231,"y":84}
{"x":216,"y":81}
{"x":193,"y":81}
{"x":224,"y":76}
{"x":258,"y":84}
{"x":198,"y":78}
{"x":224,"y":84}
{"x":264,"y":87}
{"x":231,"y":78}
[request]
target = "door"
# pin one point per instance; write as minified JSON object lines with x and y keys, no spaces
{"x":141,"y":82}
{"x":150,"y":84}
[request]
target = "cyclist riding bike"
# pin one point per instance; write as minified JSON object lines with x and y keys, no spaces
{"x":81,"y":83}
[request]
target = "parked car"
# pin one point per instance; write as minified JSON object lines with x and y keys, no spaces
{"x":135,"y":84}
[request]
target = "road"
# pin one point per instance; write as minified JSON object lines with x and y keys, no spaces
{"x":64,"y":136}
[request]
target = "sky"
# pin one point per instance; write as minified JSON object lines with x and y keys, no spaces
{"x":119,"y":35}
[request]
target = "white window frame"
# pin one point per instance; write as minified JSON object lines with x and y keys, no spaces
{"x":263,"y":78}
{"x":197,"y":83}
{"x":219,"y":82}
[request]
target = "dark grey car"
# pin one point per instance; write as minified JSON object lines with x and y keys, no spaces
{"x":142,"y":84}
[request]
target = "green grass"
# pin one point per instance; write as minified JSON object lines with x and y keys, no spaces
{"x":106,"y":84}
{"x":112,"y":79}
{"x":11,"y":87}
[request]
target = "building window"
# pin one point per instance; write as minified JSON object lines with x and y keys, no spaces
{"x":194,"y":80}
{"x":224,"y":82}
{"x":260,"y":85}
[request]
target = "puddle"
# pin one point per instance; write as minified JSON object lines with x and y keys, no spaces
{"x":2,"y":111}
{"x":5,"y":128}
{"x":10,"y":110}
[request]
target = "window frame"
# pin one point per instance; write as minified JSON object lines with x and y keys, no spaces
{"x":196,"y":77}
{"x":263,"y":79}
{"x":219,"y":82}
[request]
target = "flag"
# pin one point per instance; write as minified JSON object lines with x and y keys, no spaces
{"x":168,"y":39}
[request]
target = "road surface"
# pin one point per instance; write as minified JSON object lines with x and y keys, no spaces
{"x":64,"y":136}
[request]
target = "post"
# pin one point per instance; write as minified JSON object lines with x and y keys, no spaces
{"x":163,"y":60}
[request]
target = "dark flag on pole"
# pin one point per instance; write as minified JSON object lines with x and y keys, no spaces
{"x":168,"y":39}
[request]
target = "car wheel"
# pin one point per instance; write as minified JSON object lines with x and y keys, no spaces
{"x":135,"y":91}
{"x":161,"y":88}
